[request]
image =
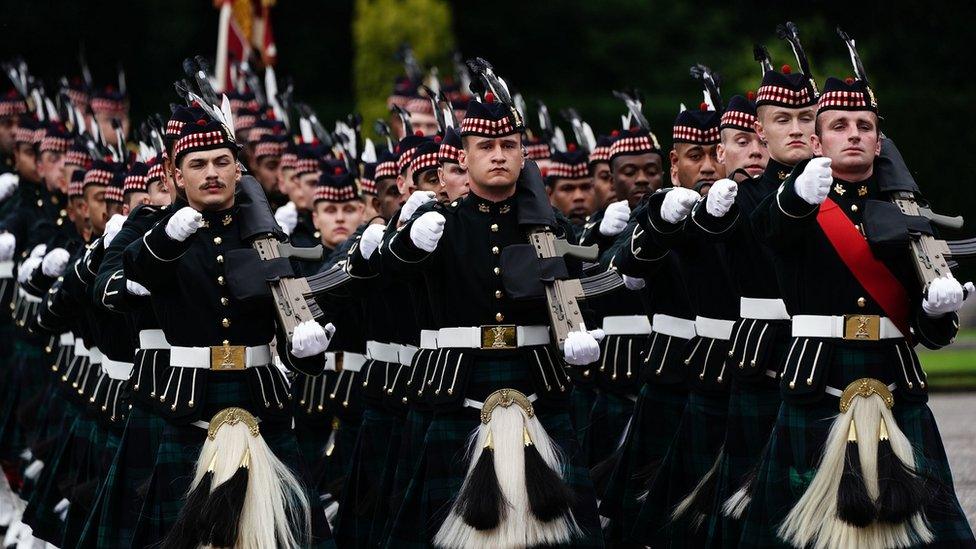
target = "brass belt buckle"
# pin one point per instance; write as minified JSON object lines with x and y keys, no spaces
{"x":499,"y":337}
{"x":227,"y":357}
{"x":862,"y":327}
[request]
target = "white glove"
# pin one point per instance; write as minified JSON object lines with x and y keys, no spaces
{"x":8,"y":184}
{"x":310,"y":338}
{"x":287,"y":217}
{"x":54,"y":262}
{"x":112,"y":228}
{"x":427,"y":230}
{"x":615,"y":218}
{"x":945,"y":295}
{"x":633,"y":282}
{"x":720,"y":197}
{"x":135,"y":288}
{"x":26,"y":268}
{"x":582,"y":347}
{"x":39,"y":251}
{"x":184,"y":223}
{"x":677,"y":204}
{"x":416,"y":200}
{"x":371,"y":239}
{"x":8,"y":243}
{"x":814,"y":183}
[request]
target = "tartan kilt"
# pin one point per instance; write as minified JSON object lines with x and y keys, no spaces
{"x":176,"y":460}
{"x":442,"y":465}
{"x":39,"y":514}
{"x":27,"y":366}
{"x":608,"y":421}
{"x":692,"y":453}
{"x":800,"y":433}
{"x":581,"y":402}
{"x":91,"y":456}
{"x":362,"y":509}
{"x":412,"y":436}
{"x":655,"y":420}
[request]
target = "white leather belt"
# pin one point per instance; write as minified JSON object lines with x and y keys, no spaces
{"x":330,"y":362}
{"x":428,"y":339}
{"x":850,"y":327}
{"x":95,"y":355}
{"x":714,"y":328}
{"x":674,"y":326}
{"x":7,"y":269}
{"x":474,"y":337}
{"x":80,"y":349}
{"x":405,"y":354}
{"x":67,"y":339}
{"x":352,"y":362}
{"x":384,"y":352}
{"x":627,"y":325}
{"x":200,"y":357}
{"x":152,"y":339}
{"x":116,"y":369}
{"x":763,"y":308}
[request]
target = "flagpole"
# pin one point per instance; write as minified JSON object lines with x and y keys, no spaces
{"x":223,"y":28}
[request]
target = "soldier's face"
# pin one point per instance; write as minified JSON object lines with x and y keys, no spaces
{"x":423,"y":122}
{"x":159,"y":194}
{"x":266,"y":172}
{"x":8,"y":125}
{"x":492,"y":162}
{"x":603,"y":184}
{"x":51,"y":169}
{"x":635,"y":175}
{"x":742,"y":150}
{"x":850,"y":139}
{"x":209,"y":179}
{"x":405,"y":183}
{"x":134,"y":199}
{"x":335,"y":221}
{"x":77,"y":213}
{"x":104,"y":121}
{"x":786,"y":132}
{"x":285,"y":181}
{"x":388,"y":197}
{"x":454,"y":182}
{"x":94,"y":208}
{"x":692,"y":163}
{"x":573,"y":197}
{"x":304,"y":190}
{"x":25,"y":162}
{"x":429,"y":181}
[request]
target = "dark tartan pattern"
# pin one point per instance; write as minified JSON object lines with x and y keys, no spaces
{"x":442,"y":465}
{"x":28,"y":367}
{"x":608,"y":420}
{"x":412,"y":436}
{"x":89,"y":463}
{"x":797,"y":444}
{"x":48,"y":492}
{"x":692,"y":453}
{"x":582,"y":401}
{"x":655,"y":420}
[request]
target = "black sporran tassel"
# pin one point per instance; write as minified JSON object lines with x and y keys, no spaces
{"x":185,"y":533}
{"x":549,"y":497}
{"x":854,"y":506}
{"x":481,"y":503}
{"x":902,"y":492}
{"x":222,"y":513}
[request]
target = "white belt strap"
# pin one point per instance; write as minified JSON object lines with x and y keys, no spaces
{"x":674,"y":326}
{"x":627,"y":325}
{"x":95,"y":355}
{"x":199,"y":357}
{"x":763,"y":308}
{"x":714,"y":328}
{"x":330,"y":362}
{"x":153,"y":339}
{"x":352,"y":362}
{"x":116,"y":369}
{"x":7,"y":269}
{"x":833,"y":327}
{"x":383,"y":352}
{"x":67,"y":339}
{"x":80,"y":349}
{"x":470,"y":337}
{"x":428,"y":339}
{"x":405,"y":354}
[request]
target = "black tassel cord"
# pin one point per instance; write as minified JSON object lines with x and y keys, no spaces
{"x":221,"y":516}
{"x":903,"y":492}
{"x":549,"y":497}
{"x":854,"y":506}
{"x":481,"y":503}
{"x":185,"y":533}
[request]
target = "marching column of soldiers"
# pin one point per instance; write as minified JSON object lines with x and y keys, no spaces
{"x":233,"y":327}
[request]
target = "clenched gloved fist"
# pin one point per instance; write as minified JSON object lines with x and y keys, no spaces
{"x":8,"y":243}
{"x":633,"y":282}
{"x":615,"y":218}
{"x":416,"y":200}
{"x":54,"y":262}
{"x":39,"y":251}
{"x":720,"y":197}
{"x":582,"y":347}
{"x":112,"y":228}
{"x":26,"y":268}
{"x":814,"y":183}
{"x":287,"y":217}
{"x":945,"y":295}
{"x":8,"y":184}
{"x":371,"y":239}
{"x":135,"y":288}
{"x":184,"y":223}
{"x":427,"y":230}
{"x":677,"y":204}
{"x":311,"y":338}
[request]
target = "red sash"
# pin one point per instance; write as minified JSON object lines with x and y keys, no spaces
{"x":872,"y":274}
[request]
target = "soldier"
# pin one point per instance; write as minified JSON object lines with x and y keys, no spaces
{"x":454,"y":178}
{"x":570,"y":185}
{"x":12,"y":105}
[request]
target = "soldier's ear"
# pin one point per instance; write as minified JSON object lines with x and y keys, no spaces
{"x":817,"y":145}
{"x":463,"y":159}
{"x":760,"y":131}
{"x":720,"y":152}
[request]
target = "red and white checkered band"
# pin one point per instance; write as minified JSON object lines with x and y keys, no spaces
{"x":783,"y":96}
{"x":424,"y":161}
{"x":97,"y":177}
{"x":739,"y":119}
{"x":114,"y":194}
{"x":333,"y":194}
{"x":448,"y":153}
{"x":688,"y":134}
{"x":487,"y":128}
{"x":306,"y":165}
{"x":410,"y":104}
{"x":368,"y":186}
{"x":102,"y":105}
{"x":12,"y":108}
{"x":54,"y":144}
{"x":24,"y":135}
{"x":199,"y":139}
{"x":404,"y":159}
{"x":600,"y":154}
{"x":386,"y":169}
{"x":268,"y":148}
{"x":539,"y":151}
{"x":288,"y":161}
{"x":39,"y":134}
{"x":155,"y":172}
{"x":628,"y":145}
{"x":174,"y":127}
{"x":568,"y":171}
{"x":135,"y":183}
{"x":843,"y":99}
{"x":75,"y":188}
{"x":77,"y":158}
{"x":256,"y":134}
{"x":78,"y":98}
{"x":244,"y":122}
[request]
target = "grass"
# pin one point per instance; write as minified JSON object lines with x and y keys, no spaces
{"x":952,"y":368}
